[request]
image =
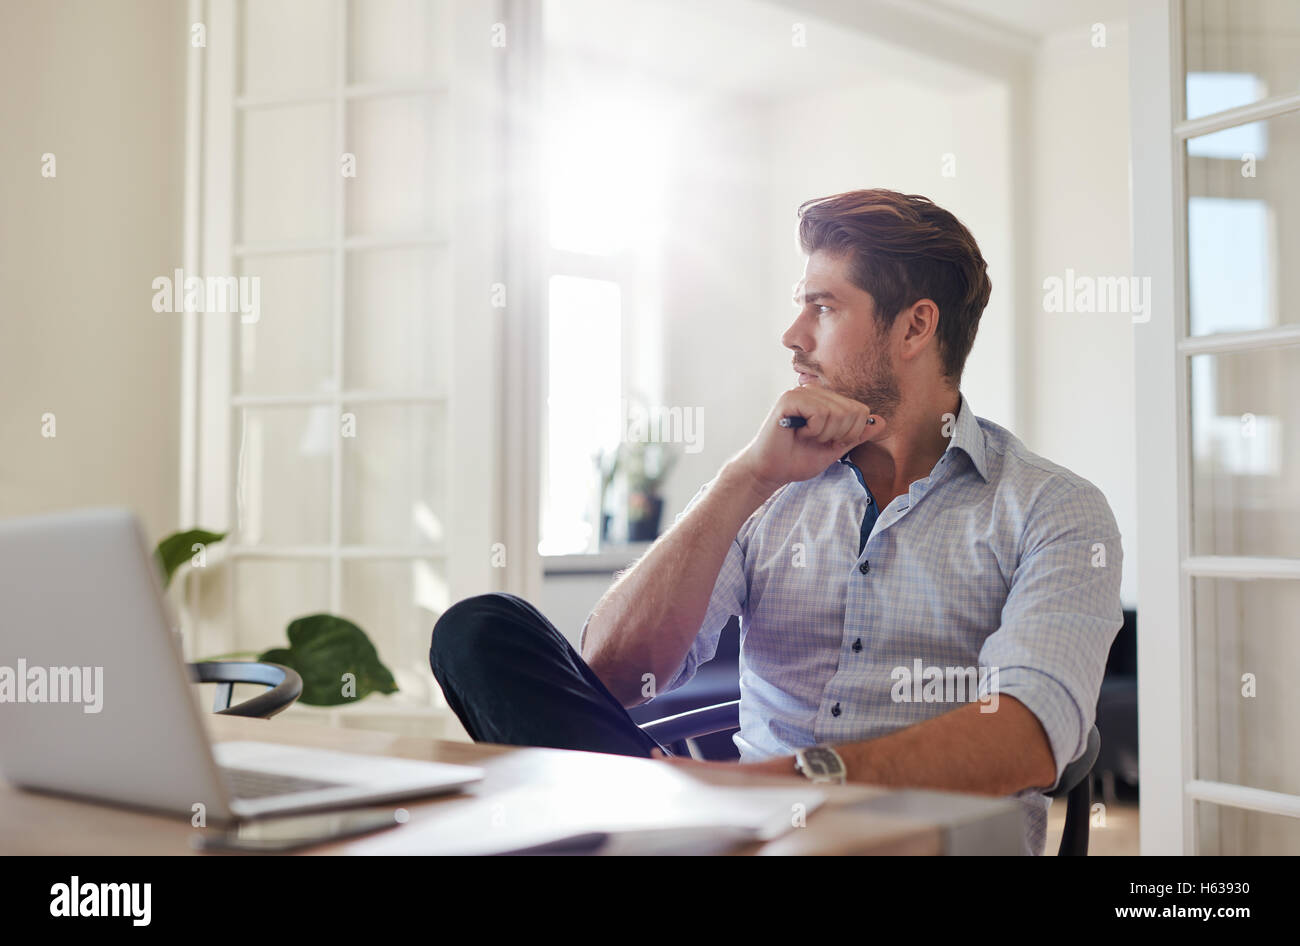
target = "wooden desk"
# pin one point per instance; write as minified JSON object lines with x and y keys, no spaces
{"x":932,"y":823}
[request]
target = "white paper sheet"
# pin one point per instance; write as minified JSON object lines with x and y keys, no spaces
{"x":676,"y":816}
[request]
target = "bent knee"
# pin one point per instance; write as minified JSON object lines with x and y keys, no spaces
{"x":468,"y":627}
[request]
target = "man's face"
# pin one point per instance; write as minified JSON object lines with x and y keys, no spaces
{"x":835,"y":339}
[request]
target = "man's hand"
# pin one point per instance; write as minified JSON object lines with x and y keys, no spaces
{"x":962,"y":750}
{"x":835,"y":425}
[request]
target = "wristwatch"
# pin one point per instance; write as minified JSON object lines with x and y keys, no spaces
{"x":821,"y":764}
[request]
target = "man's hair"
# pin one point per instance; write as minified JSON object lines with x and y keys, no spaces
{"x":903,"y":248}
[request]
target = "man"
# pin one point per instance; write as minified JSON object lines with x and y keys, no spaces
{"x":921,"y":598}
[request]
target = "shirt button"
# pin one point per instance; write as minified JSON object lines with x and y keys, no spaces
{"x":835,"y":710}
{"x":864,"y":567}
{"x":857,"y":646}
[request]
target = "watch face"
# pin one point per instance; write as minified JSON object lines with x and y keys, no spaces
{"x":820,"y":761}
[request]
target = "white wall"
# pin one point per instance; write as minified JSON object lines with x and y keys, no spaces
{"x":1081,"y":370}
{"x":100,"y":86}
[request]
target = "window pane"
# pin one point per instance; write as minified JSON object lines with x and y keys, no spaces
{"x":1250,"y":41}
{"x":1222,"y":830}
{"x":396,"y":604}
{"x":289,"y":348}
{"x":1242,"y":223}
{"x":271,"y":593}
{"x":397,"y":327}
{"x":394,"y":40}
{"x":394,"y":475}
{"x":283,"y":474}
{"x":1247,"y":703}
{"x":583,"y":404}
{"x":1229,"y":282}
{"x":288,"y":46}
{"x":1245,"y":453}
{"x":288,"y":178}
{"x":402,"y":153}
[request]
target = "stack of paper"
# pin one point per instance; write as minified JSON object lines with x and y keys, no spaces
{"x":666,"y":813}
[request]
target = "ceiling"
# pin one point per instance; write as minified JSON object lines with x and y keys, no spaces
{"x":736,"y":46}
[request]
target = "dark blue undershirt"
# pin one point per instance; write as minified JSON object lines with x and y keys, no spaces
{"x":869,"y":520}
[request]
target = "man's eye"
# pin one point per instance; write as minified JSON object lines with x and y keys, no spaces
{"x":824,"y":309}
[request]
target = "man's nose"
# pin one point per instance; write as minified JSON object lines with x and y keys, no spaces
{"x":797,"y":337}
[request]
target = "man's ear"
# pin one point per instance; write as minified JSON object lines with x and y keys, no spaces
{"x":920,"y":323}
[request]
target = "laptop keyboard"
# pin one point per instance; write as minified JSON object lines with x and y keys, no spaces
{"x":249,"y":783}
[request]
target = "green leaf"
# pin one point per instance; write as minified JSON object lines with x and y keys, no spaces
{"x":178,"y":548}
{"x":324,"y":647}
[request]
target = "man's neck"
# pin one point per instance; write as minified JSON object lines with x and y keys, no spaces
{"x":911,"y":447}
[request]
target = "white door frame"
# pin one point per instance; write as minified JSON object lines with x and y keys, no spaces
{"x":1164,"y":635}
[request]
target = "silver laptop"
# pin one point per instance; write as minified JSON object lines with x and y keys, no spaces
{"x":95,"y":700}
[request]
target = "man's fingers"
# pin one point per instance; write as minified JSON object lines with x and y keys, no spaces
{"x":832,"y":419}
{"x":857,"y":432}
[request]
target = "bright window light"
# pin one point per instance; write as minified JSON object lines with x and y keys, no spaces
{"x":605,"y":163}
{"x":1211,"y":92}
{"x":582,"y":409}
{"x":1228,"y":264}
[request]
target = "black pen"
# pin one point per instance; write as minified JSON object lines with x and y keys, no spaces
{"x":796,"y":421}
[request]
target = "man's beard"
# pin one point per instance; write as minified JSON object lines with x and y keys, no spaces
{"x":870,"y":380}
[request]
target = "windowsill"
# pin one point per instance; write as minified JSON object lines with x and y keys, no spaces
{"x":608,"y":560}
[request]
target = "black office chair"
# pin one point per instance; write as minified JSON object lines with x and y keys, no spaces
{"x":1076,"y":787}
{"x":678,"y":734}
{"x":284,"y":686}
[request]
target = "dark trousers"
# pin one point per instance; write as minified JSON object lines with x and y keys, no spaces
{"x":513,"y":679}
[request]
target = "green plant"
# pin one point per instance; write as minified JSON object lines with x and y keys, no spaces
{"x":338,"y":663}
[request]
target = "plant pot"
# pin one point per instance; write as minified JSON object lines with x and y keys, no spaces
{"x":644,"y":513}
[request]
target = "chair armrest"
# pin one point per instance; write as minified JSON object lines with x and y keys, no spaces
{"x":284,"y":682}
{"x":694,"y":723}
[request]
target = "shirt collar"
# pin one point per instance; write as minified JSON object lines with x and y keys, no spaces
{"x":967,"y":436}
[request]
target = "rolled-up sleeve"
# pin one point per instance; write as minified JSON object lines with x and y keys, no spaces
{"x":1061,"y":615}
{"x":727,"y":599}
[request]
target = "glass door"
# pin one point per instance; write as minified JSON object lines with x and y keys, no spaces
{"x":1219,"y":390}
{"x":346,"y":435}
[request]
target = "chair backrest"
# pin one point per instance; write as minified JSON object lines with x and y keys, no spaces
{"x":284,"y":683}
{"x":1122,"y":659}
{"x":1076,"y":786}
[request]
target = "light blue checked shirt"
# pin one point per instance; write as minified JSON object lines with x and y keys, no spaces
{"x":997,"y":559}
